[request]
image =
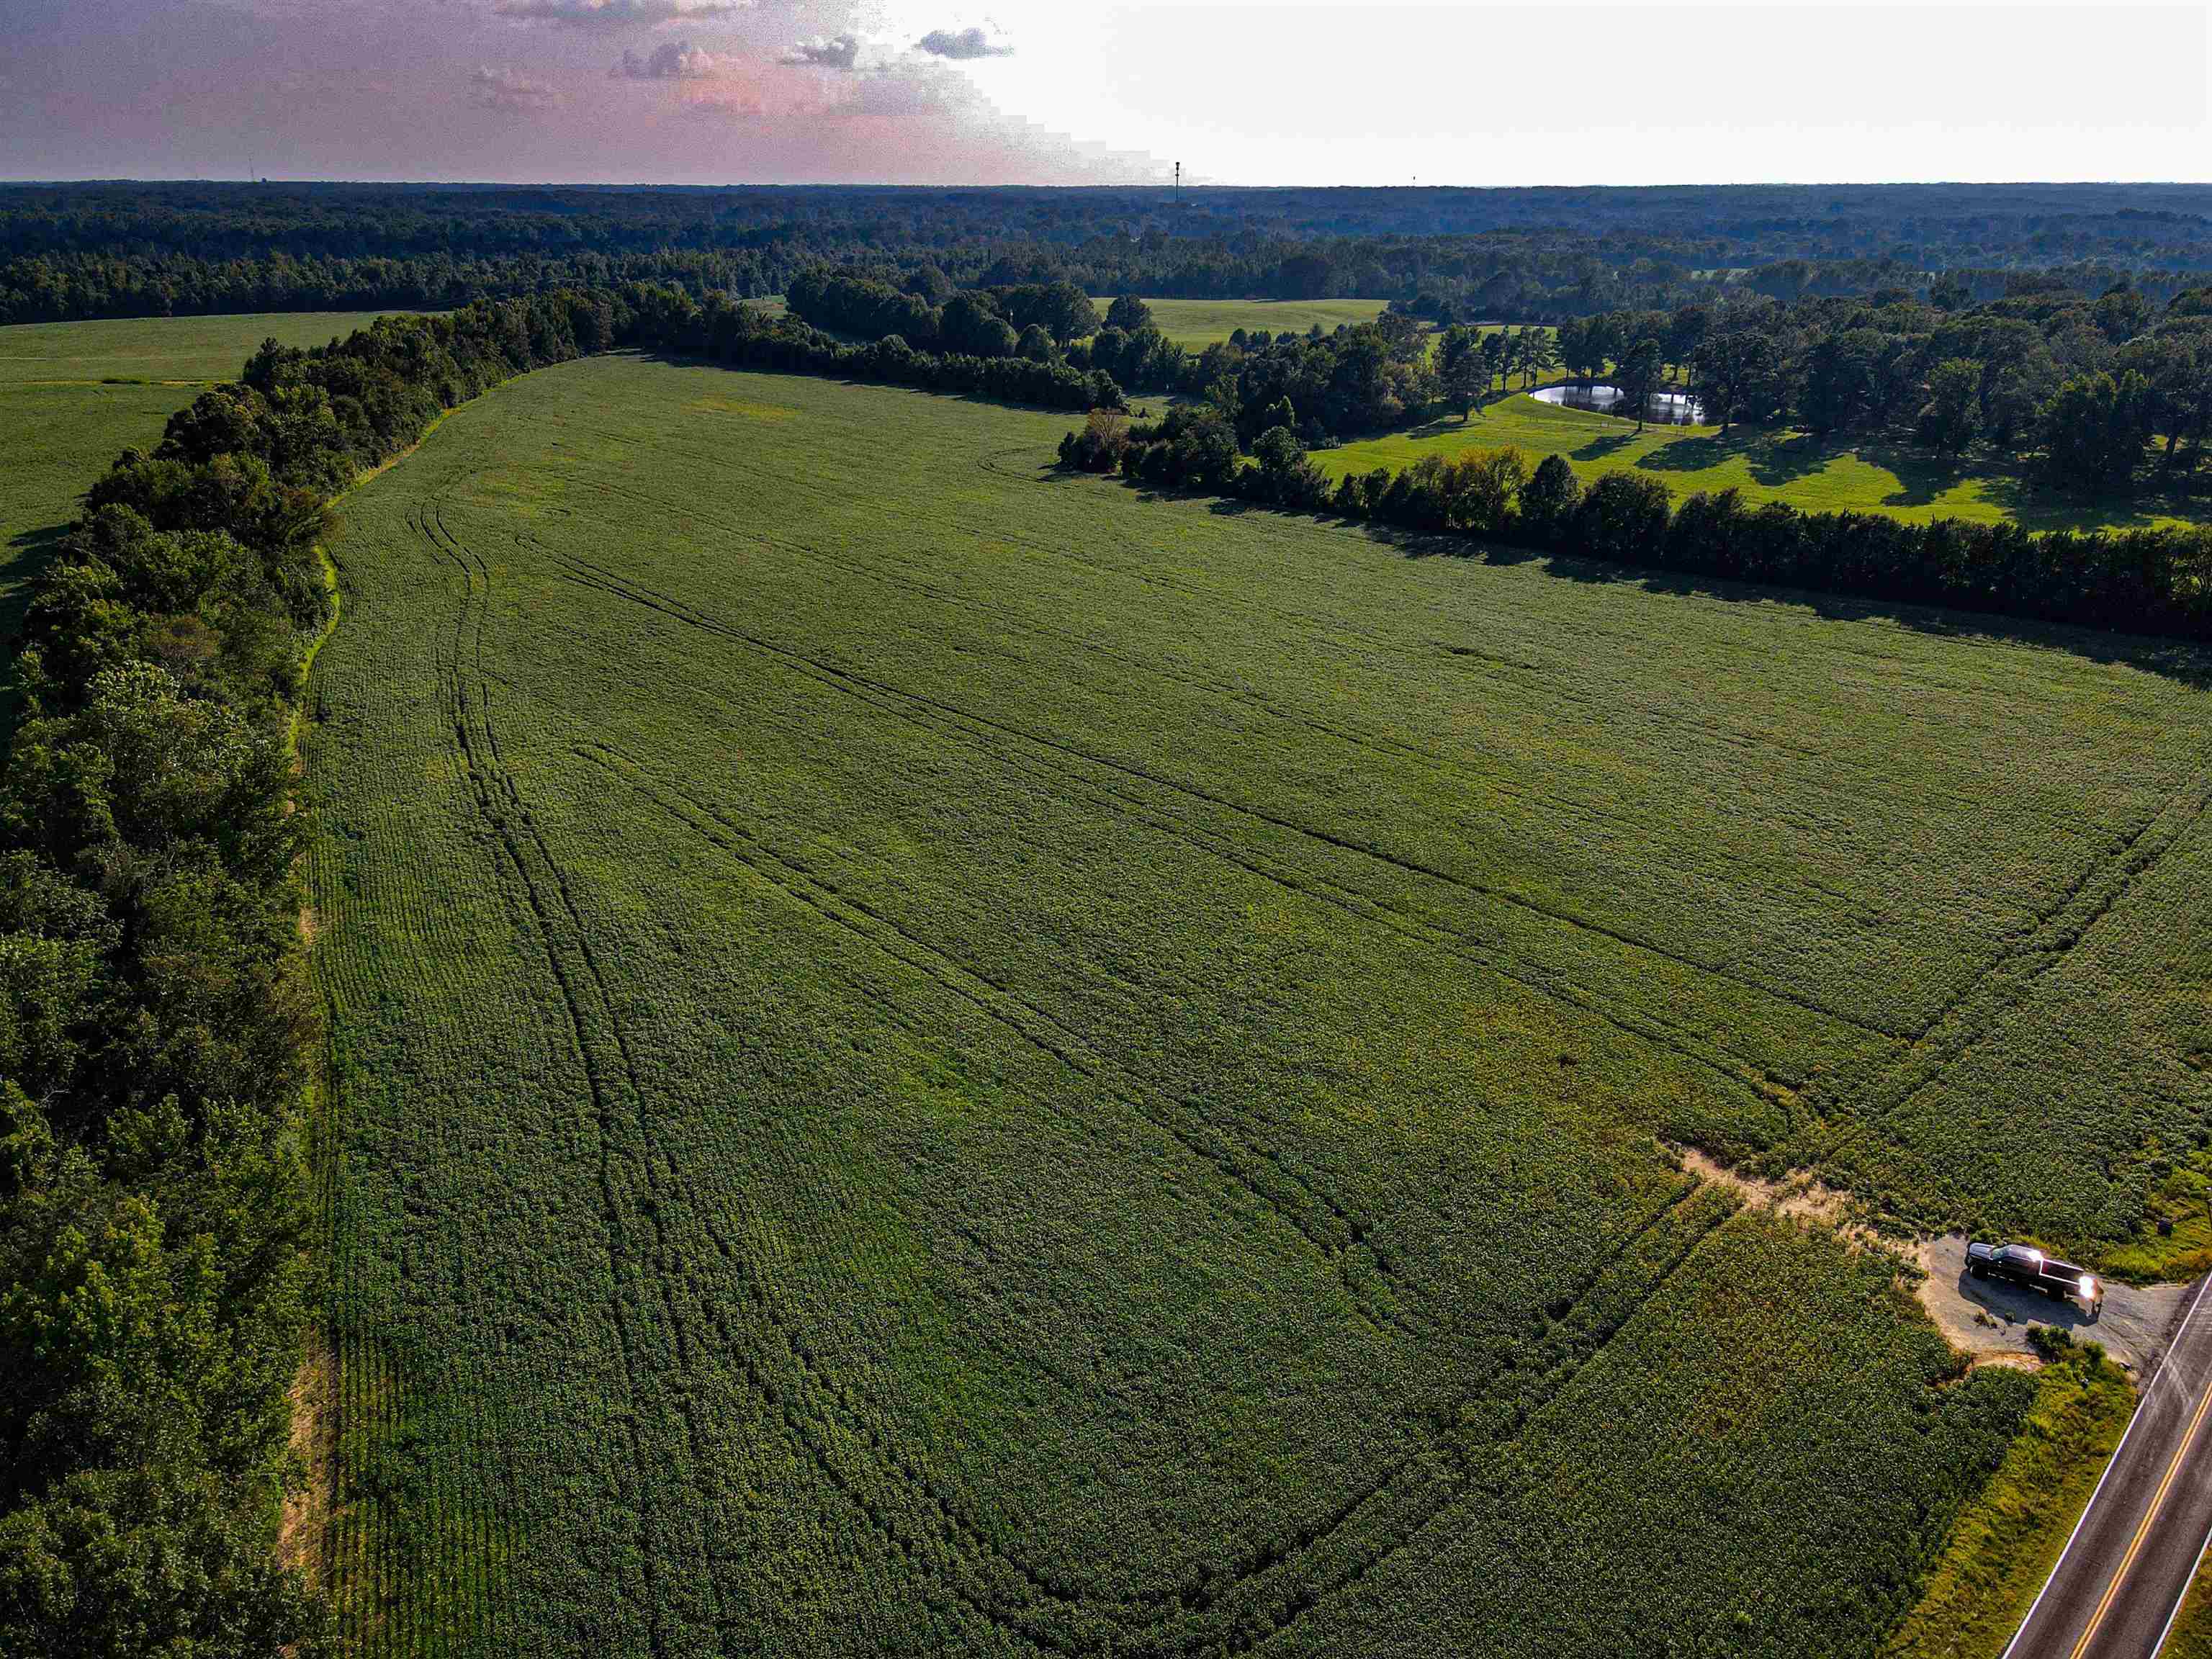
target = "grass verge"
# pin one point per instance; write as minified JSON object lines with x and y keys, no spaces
{"x":2003,"y":1545}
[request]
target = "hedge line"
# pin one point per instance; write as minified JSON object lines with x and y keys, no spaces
{"x":742,"y":336}
{"x":2141,"y":581}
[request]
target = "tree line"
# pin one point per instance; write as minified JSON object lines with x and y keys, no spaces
{"x":155,"y":1020}
{"x":1042,"y":322}
{"x":1358,"y":378}
{"x":124,"y":249}
{"x":744,"y":336}
{"x":2140,"y":580}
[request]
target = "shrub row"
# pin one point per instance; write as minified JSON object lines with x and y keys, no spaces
{"x":156,"y":1017}
{"x":743,"y":337}
{"x":2140,"y":580}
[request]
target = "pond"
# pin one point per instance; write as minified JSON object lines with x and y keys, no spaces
{"x":1665,"y":408}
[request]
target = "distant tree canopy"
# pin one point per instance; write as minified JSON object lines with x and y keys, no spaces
{"x":116,"y":250}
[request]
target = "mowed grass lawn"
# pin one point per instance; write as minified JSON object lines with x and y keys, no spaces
{"x":1194,"y":325}
{"x":1797,"y":467}
{"x":73,"y":396}
{"x":930,"y":1056}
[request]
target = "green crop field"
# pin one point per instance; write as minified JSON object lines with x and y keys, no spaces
{"x":930,"y":1056}
{"x":73,"y":396}
{"x":1193,"y":325}
{"x":1797,"y":467}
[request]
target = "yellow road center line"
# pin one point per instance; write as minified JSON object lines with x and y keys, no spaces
{"x":2135,"y":1544}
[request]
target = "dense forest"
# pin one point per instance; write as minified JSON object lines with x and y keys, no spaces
{"x":116,"y":250}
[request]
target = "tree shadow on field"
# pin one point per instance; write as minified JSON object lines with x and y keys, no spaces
{"x":1780,"y":460}
{"x":1690,"y":454}
{"x":1434,"y":544}
{"x":2041,"y":506}
{"x":1442,"y":425}
{"x":1605,"y":444}
{"x":2179,"y":660}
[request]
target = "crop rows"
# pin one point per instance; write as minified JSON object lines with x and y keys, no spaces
{"x":933,"y":1060}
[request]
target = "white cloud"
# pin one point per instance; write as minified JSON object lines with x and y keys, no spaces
{"x":671,"y":60}
{"x":964,"y":45}
{"x":838,"y":52}
{"x":506,"y":88}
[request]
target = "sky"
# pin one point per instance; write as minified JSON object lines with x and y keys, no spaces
{"x":1244,"y":92}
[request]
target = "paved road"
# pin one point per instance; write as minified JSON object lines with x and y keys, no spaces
{"x":2115,"y":1588}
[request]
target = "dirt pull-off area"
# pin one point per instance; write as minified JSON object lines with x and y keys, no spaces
{"x":1990,"y":1321}
{"x":1987,"y":1321}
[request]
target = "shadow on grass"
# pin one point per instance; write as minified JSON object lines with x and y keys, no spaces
{"x":2040,"y":506}
{"x":2175,"y":659}
{"x":1785,"y":459}
{"x":1604,"y":445}
{"x":1442,"y":425}
{"x":1696,"y":454}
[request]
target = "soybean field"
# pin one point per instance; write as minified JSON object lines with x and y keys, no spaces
{"x":931,"y":1056}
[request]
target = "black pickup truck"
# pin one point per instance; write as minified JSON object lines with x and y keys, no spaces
{"x":2029,"y":1268}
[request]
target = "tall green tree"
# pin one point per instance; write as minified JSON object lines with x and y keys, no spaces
{"x":1462,"y":373}
{"x":1734,"y":370}
{"x":2094,"y":428}
{"x":1129,"y":314}
{"x":1952,"y":415}
{"x":1638,"y":376}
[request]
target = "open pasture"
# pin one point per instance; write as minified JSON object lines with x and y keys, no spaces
{"x":1194,"y":325}
{"x":1817,"y":475}
{"x":930,"y":1056}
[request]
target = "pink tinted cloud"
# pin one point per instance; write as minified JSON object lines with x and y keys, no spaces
{"x":404,"y":89}
{"x":615,"y":13}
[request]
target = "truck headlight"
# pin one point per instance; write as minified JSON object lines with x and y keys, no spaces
{"x":2088,"y":1287}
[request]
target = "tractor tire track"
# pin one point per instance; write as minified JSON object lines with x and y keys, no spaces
{"x":485,"y":767}
{"x":683,"y":611}
{"x":1974,"y":1015}
{"x":1193,"y":1619}
{"x":919,"y":709}
{"x":1330,"y":1238}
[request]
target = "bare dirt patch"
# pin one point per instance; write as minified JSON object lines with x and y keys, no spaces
{"x":304,"y":1523}
{"x":1800,"y":1196}
{"x":1990,"y":1322}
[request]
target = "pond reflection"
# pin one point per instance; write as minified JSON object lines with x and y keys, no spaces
{"x":1664,"y":409}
